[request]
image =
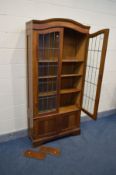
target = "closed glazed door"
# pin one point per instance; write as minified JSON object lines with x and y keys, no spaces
{"x":47,"y":58}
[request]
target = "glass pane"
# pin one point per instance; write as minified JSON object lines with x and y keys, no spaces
{"x":41,"y":40}
{"x":47,"y":85}
{"x":48,"y":69}
{"x":48,"y":55}
{"x":46,"y":40}
{"x":48,"y":46}
{"x":47,"y":103}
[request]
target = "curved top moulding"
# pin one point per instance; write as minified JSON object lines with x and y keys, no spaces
{"x":57,"y":22}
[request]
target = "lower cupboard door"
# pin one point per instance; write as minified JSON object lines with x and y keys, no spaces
{"x":69,"y":121}
{"x":44,"y":127}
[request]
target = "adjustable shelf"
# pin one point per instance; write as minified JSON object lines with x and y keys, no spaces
{"x":47,"y":77}
{"x":46,"y":48}
{"x":71,"y":75}
{"x":66,"y":109}
{"x":72,"y":61}
{"x":48,"y":61}
{"x":63,"y":60}
{"x":66,"y":91}
{"x":43,"y":94}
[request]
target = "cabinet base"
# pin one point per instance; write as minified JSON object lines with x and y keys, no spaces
{"x":40,"y":141}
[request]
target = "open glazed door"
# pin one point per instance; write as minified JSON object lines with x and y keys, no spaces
{"x":94,"y":72}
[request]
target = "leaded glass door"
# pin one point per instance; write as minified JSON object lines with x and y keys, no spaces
{"x":94,"y":72}
{"x":48,"y":79}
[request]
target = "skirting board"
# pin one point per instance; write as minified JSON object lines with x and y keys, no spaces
{"x":23,"y":133}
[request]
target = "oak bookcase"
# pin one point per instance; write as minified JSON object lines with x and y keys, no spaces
{"x":64,"y":73}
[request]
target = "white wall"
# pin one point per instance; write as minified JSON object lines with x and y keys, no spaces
{"x":13,"y":15}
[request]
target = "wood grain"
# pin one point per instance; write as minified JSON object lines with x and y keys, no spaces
{"x":36,"y":155}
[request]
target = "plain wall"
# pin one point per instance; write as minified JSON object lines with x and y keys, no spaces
{"x":13,"y":16}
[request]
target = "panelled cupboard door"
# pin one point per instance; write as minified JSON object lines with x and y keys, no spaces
{"x":46,"y":68}
{"x":94,"y":72}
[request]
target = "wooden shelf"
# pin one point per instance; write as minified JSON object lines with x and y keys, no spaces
{"x":47,"y":61}
{"x":47,"y":93}
{"x":50,"y":48}
{"x":66,"y":109}
{"x":45,"y":77}
{"x":72,"y":60}
{"x":71,"y":75}
{"x":46,"y":111}
{"x":72,"y":90}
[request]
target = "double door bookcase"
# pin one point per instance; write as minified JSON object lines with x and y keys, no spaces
{"x":64,"y":74}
